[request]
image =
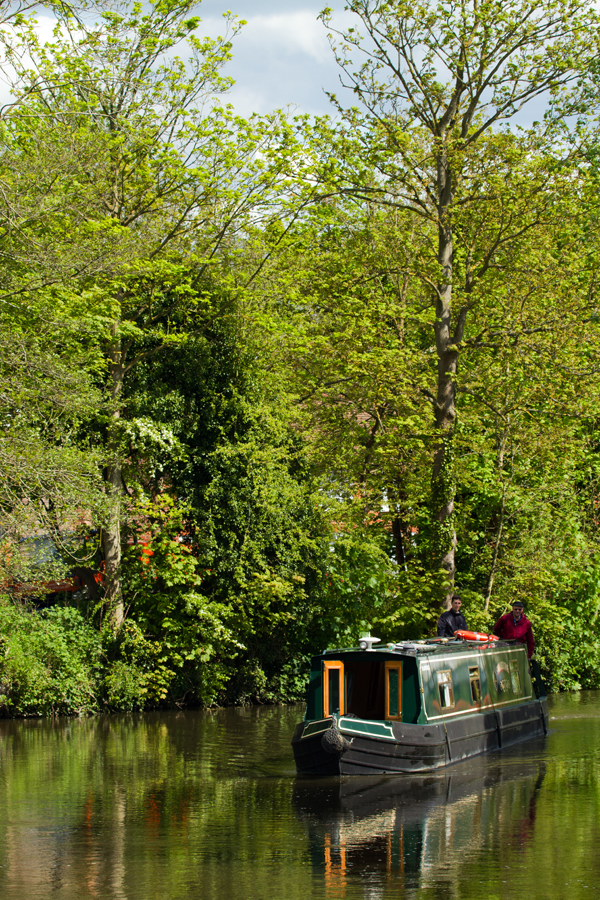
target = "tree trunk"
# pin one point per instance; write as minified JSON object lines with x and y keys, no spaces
{"x":111,"y":534}
{"x":497,"y":540}
{"x":398,"y":536}
{"x":443,"y":484}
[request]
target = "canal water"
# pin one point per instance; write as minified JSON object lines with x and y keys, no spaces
{"x":194,"y":805}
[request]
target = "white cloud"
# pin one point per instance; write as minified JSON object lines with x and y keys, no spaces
{"x":297,"y":32}
{"x":279,"y":58}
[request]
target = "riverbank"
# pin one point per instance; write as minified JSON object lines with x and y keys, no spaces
{"x":59,"y":662}
{"x":55,"y":663}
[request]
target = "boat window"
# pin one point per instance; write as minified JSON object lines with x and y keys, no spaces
{"x":515,"y":677}
{"x":393,"y":690}
{"x":374,"y":687}
{"x":333,"y":688}
{"x":503,"y":680}
{"x":445,"y":688}
{"x":348,"y":686}
{"x":475,"y":684}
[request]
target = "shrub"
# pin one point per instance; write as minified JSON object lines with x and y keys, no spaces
{"x":49,"y":662}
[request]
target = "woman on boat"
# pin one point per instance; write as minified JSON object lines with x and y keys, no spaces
{"x":452,"y":620}
{"x":515,"y":626}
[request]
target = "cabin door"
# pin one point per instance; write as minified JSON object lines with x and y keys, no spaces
{"x":334,"y":699}
{"x":393,"y":690}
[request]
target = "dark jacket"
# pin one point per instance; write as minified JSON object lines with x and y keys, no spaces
{"x":449,"y":622}
{"x":520,"y":631}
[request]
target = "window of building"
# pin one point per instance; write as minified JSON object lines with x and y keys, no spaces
{"x":515,"y":677}
{"x":333,"y":688}
{"x":475,"y":684}
{"x":393,"y":690}
{"x":445,"y":688}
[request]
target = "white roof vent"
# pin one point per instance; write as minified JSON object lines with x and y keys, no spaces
{"x":366,"y":642}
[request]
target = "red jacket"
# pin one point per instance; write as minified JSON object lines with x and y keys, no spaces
{"x":520,"y":631}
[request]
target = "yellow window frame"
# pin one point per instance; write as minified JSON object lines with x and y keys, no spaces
{"x":396,"y":666}
{"x":332,"y":665}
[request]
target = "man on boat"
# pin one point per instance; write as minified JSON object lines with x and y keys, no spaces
{"x":515,"y":626}
{"x":452,"y":620}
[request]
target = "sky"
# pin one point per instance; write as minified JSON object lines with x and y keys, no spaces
{"x":282,"y":57}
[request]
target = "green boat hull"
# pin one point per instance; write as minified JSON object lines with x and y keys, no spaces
{"x":411,"y":748}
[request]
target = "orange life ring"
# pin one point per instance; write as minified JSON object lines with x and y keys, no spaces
{"x":475,"y":636}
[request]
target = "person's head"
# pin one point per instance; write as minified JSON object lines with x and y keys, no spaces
{"x":456,"y":602}
{"x":517,"y":609}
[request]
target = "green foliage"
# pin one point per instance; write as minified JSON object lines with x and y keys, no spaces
{"x":411,"y":610}
{"x":237,"y":324}
{"x":50,"y":662}
{"x":178,"y":639}
{"x":125,"y":686}
{"x":46,"y":401}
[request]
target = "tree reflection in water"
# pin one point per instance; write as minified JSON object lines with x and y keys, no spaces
{"x":206,"y":806}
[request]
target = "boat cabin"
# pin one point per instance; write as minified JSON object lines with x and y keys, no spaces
{"x":418,"y":683}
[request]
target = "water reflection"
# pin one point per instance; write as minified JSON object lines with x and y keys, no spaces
{"x":198,"y":805}
{"x":403,"y":833}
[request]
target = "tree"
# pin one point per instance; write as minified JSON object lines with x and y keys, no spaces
{"x":355,"y":332}
{"x":48,"y":476}
{"x":437,"y":84}
{"x":176,"y":177}
{"x":15,"y":19}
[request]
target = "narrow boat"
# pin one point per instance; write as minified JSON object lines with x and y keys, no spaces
{"x":414,"y":707}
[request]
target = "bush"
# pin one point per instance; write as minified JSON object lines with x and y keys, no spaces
{"x":50,"y":662}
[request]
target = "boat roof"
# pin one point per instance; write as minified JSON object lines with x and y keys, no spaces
{"x":426,"y":648}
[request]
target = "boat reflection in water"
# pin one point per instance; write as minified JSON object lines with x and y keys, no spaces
{"x":411,"y":832}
